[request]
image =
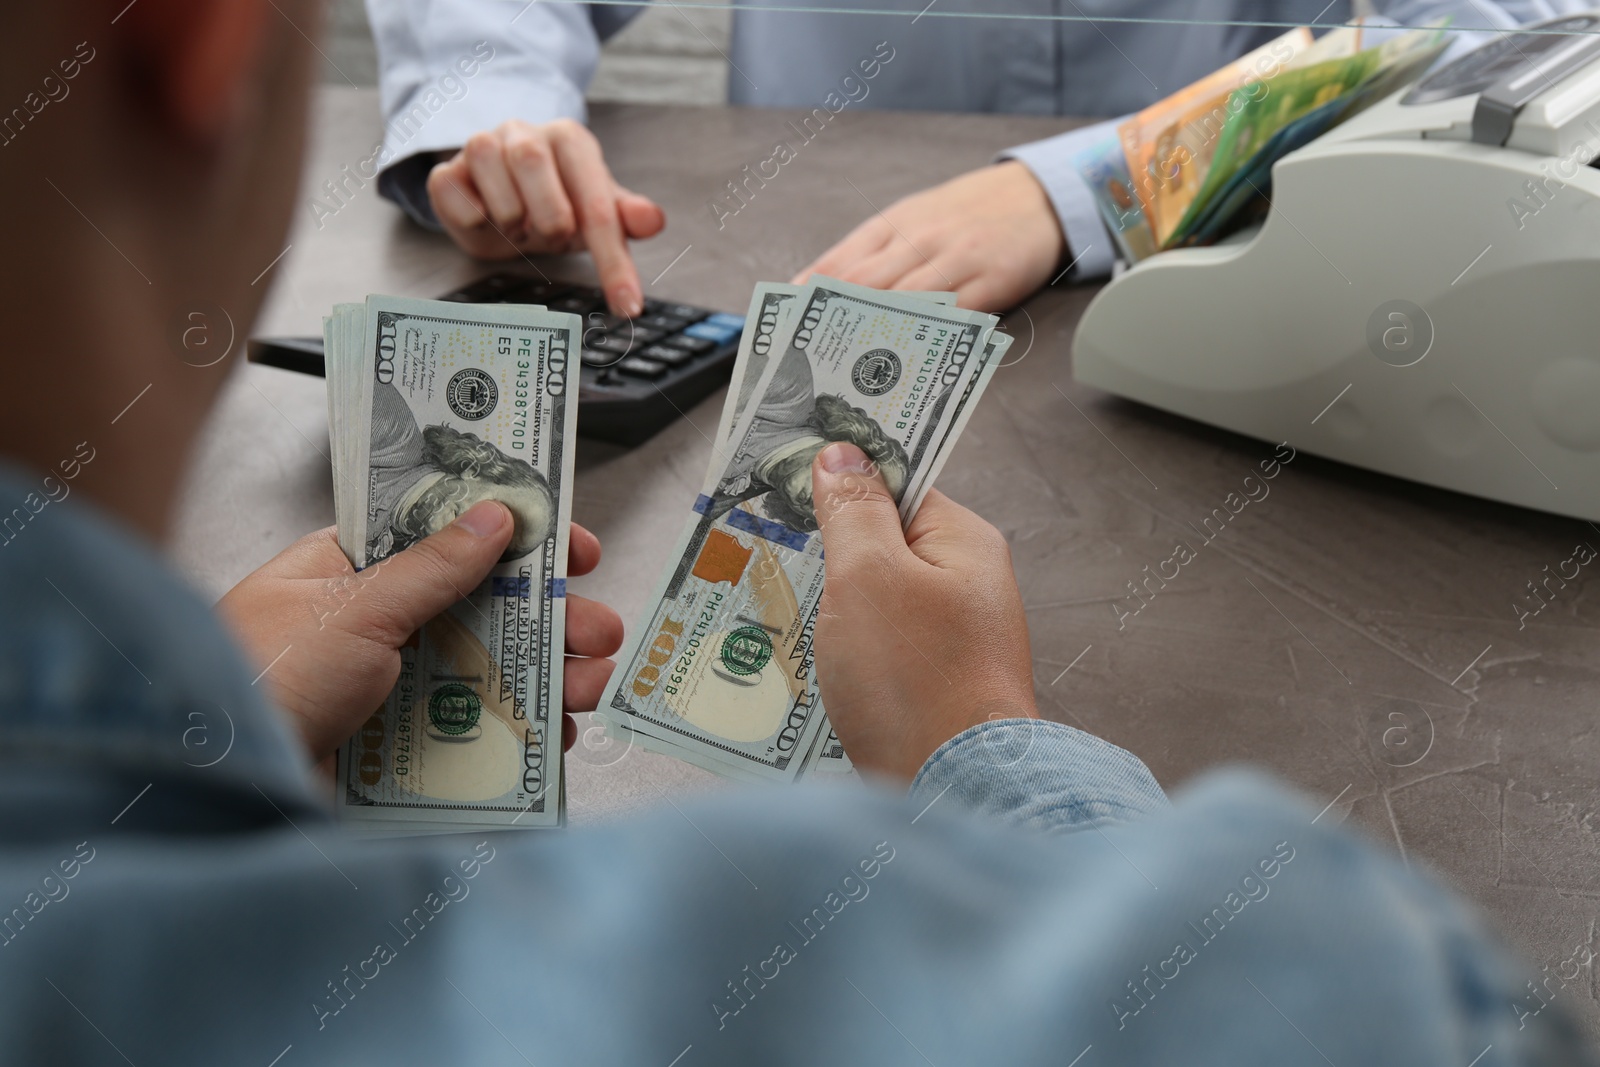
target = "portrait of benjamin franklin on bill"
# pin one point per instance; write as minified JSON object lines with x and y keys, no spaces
{"x":423,"y":478}
{"x":791,"y":425}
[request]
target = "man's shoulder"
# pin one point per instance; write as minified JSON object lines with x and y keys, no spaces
{"x":109,"y":660}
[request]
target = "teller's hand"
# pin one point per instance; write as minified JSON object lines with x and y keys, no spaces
{"x":521,"y":188}
{"x":990,"y":235}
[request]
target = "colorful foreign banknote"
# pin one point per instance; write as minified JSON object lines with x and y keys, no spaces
{"x":1169,"y":145}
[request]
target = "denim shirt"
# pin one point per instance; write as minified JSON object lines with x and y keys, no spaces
{"x":172,"y":891}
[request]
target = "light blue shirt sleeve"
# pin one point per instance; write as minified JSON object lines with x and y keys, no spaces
{"x":1041,"y":775}
{"x":530,"y":61}
{"x":1090,"y":249}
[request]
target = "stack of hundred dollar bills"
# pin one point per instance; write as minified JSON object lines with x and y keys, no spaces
{"x":719,"y":672}
{"x":432,"y":407}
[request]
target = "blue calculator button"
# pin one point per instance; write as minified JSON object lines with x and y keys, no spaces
{"x":723,"y":319}
{"x":712,"y":330}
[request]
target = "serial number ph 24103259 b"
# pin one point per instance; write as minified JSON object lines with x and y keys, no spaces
{"x":934,"y":348}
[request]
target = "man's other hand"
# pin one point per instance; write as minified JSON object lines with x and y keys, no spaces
{"x":328,"y":639}
{"x":990,"y":236}
{"x":521,"y":188}
{"x":921,"y":632}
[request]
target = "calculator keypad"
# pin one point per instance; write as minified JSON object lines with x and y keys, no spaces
{"x":665,"y":342}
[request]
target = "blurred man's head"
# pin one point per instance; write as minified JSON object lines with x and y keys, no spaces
{"x":149,"y":153}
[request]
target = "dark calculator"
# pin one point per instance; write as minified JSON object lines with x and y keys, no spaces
{"x":638,"y":374}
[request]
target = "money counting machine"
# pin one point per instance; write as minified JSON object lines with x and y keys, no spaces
{"x":1422,"y":298}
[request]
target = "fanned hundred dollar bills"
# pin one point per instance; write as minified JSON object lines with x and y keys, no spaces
{"x":432,"y":407}
{"x":719,"y":671}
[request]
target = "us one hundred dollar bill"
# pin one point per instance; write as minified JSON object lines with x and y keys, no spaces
{"x":771,"y":307}
{"x":432,"y":407}
{"x":765,"y":325}
{"x":720,"y":671}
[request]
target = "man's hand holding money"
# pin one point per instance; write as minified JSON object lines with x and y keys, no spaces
{"x":921,"y":634}
{"x":327,"y":638}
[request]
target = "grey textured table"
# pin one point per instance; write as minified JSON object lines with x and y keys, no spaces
{"x":1351,"y":633}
